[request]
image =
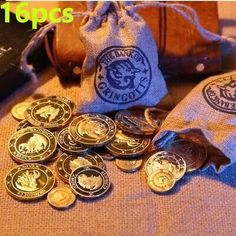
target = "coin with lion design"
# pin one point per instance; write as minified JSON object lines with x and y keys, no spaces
{"x":32,"y":144}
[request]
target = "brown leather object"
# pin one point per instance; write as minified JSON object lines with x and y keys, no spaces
{"x":66,"y":52}
{"x":182,"y":51}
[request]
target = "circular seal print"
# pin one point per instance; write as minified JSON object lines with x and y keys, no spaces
{"x":221,"y":94}
{"x":123,"y":74}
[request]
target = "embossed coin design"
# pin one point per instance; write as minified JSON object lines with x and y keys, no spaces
{"x":168,"y":161}
{"x":49,"y":113}
{"x":67,"y":163}
{"x":161,"y":181}
{"x":125,"y":145}
{"x":29,"y":181}
{"x":92,"y":130}
{"x":18,"y":111}
{"x":89,"y":182}
{"x":32,"y":144}
{"x":23,"y":124}
{"x":66,"y":142}
{"x":193,"y":154}
{"x":61,"y":197}
{"x":129,"y":166}
{"x":134,"y":122}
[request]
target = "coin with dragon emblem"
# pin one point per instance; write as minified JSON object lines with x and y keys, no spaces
{"x":193,"y":154}
{"x":126,"y":145}
{"x":134,"y":122}
{"x":92,"y":130}
{"x":161,"y":181}
{"x":68,"y":163}
{"x":48,"y":113}
{"x":29,"y":181}
{"x":67,"y":143}
{"x":89,"y":181}
{"x":32,"y":144}
{"x":167,"y":161}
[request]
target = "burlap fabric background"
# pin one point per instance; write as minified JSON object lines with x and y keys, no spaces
{"x":202,"y":203}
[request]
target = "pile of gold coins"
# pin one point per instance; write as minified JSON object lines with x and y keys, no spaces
{"x":49,"y":131}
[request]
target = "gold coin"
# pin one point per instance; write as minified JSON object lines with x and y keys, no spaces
{"x":134,"y":122}
{"x":49,"y":113}
{"x":161,"y":181}
{"x":66,"y":163}
{"x":166,"y":160}
{"x":32,"y":144}
{"x":89,"y":182}
{"x":126,"y":145}
{"x":18,"y":111}
{"x":193,"y":154}
{"x":129,"y":166}
{"x":92,"y":130}
{"x":61,"y":197}
{"x":29,"y":181}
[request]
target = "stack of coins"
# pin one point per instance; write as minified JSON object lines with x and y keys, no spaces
{"x":48,"y":131}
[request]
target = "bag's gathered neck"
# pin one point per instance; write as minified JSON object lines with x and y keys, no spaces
{"x":188,"y":13}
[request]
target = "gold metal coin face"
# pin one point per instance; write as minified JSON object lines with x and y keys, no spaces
{"x":48,"y":113}
{"x":167,"y":161}
{"x":161,"y":181}
{"x":129,"y":166}
{"x":193,"y":154}
{"x":89,"y":181}
{"x":32,"y":144}
{"x":29,"y":181}
{"x":18,"y":111}
{"x":92,"y":130}
{"x":66,"y":164}
{"x":134,"y":122}
{"x":125,"y":145}
{"x":61,"y":197}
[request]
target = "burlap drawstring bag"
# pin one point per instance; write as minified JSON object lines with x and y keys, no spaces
{"x":121,"y":66}
{"x":210,"y":111}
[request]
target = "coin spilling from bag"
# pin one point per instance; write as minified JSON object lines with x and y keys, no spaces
{"x":80,"y":144}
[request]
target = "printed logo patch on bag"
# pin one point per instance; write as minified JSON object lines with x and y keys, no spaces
{"x":123,"y":74}
{"x":221,"y":94}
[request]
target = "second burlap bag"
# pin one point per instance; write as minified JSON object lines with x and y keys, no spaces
{"x":209,"y":110}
